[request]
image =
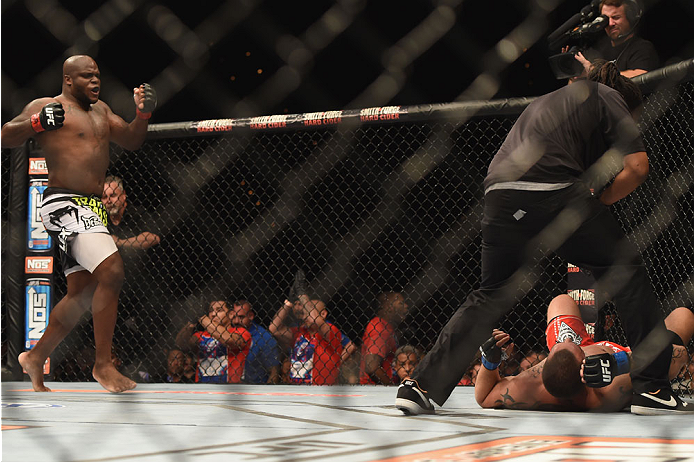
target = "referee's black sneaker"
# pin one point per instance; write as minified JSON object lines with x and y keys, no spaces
{"x":660,"y":402}
{"x":411,"y":399}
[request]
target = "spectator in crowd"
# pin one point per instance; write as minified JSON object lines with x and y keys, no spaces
{"x":380,"y":341}
{"x":632,"y":54}
{"x":221,"y":348}
{"x":262,"y":364}
{"x":126,"y":230}
{"x":176,"y":368}
{"x":558,"y":382}
{"x":189,"y":369}
{"x":285,"y":368}
{"x":316,"y":345}
{"x":406,"y":359}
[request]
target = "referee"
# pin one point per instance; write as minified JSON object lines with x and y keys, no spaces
{"x":538,"y":197}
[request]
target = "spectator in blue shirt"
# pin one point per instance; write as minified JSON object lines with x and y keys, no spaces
{"x":262,"y":363}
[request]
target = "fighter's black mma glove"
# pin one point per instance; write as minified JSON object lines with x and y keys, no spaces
{"x":51,"y":117}
{"x":491,"y":354}
{"x":600,"y":370}
{"x":150,"y":102}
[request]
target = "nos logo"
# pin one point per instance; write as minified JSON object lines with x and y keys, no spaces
{"x":37,"y":166}
{"x":37,"y":236}
{"x":43,"y":265}
{"x":38,"y":305}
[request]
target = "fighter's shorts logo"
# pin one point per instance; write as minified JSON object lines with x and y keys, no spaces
{"x":55,"y":216}
{"x":62,"y":239}
{"x":94,"y":204}
{"x":90,"y":222}
{"x":567,"y":332}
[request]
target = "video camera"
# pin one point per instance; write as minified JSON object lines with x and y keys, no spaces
{"x":580,"y":31}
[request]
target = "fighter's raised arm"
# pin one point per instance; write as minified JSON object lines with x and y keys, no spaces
{"x":39,"y":115}
{"x":131,"y":135}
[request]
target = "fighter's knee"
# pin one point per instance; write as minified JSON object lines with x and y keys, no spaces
{"x":111,"y":271}
{"x":561,"y":304}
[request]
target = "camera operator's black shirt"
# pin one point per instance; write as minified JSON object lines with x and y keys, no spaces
{"x":635,"y":53}
{"x":561,"y":134}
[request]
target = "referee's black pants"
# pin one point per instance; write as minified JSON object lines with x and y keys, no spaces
{"x":573,"y":223}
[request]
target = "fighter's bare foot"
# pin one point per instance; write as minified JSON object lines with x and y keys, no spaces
{"x":35,"y":371}
{"x":112,"y":380}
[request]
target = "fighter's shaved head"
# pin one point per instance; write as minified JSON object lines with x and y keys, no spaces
{"x":77,"y":62}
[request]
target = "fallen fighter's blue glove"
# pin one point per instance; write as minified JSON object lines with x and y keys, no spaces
{"x":492,"y":354}
{"x":600,"y":370}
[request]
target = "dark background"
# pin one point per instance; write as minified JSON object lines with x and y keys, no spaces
{"x":36,"y":40}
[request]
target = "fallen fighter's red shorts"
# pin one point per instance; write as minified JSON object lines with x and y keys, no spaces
{"x":566,"y":326}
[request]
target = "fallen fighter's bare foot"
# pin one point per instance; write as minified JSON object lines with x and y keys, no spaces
{"x":112,"y":380}
{"x":35,"y":371}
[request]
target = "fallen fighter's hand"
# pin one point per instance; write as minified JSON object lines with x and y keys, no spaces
{"x":492,"y":354}
{"x":599,"y":370}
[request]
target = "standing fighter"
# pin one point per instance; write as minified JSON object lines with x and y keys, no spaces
{"x":538,"y":198}
{"x":74,"y":130}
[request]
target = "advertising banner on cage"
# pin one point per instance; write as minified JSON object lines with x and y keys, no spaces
{"x":38,"y":167}
{"x":581,"y":287}
{"x":38,"y":304}
{"x":38,"y":239}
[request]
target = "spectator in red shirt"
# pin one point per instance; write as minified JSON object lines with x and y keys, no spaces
{"x":316,"y":345}
{"x":380,"y":341}
{"x":221,"y":348}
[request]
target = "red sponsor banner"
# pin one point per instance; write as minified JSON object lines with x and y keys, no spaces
{"x":217,"y":125}
{"x":38,"y":265}
{"x":265,"y":122}
{"x":373,"y":114}
{"x":37,"y":166}
{"x":322,"y":118}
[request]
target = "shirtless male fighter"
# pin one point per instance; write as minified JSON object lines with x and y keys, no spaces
{"x":74,"y":130}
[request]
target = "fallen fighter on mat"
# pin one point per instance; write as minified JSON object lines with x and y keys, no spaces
{"x":558,"y":383}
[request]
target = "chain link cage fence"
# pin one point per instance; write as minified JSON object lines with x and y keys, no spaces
{"x":221,"y":218}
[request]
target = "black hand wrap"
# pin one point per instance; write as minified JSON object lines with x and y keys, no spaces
{"x":600,"y":370}
{"x":149,"y":101}
{"x":51,"y":117}
{"x":491,"y":354}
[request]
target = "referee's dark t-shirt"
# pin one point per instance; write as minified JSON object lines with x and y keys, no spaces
{"x":561,"y":134}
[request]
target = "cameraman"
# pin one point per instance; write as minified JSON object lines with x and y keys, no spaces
{"x":633,"y":55}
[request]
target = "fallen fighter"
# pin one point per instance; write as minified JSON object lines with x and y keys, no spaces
{"x":558,"y":382}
